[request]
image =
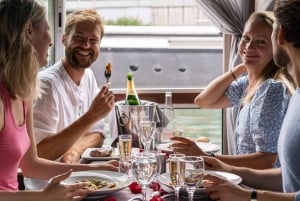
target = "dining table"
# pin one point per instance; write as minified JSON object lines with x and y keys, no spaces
{"x":127,"y":195}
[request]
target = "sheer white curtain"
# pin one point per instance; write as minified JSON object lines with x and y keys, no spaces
{"x":230,"y":16}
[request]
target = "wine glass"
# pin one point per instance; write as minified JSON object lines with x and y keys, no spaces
{"x":144,"y":168}
{"x":193,"y":173}
{"x":176,"y":170}
{"x":146,"y":133}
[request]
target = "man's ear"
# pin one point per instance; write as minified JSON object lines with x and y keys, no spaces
{"x":29,"y":31}
{"x":64,"y":40}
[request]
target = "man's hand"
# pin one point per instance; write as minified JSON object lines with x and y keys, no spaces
{"x":102,"y":104}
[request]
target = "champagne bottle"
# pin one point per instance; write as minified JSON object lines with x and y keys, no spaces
{"x":131,"y":94}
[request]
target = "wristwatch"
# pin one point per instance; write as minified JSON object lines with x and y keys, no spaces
{"x":253,"y":196}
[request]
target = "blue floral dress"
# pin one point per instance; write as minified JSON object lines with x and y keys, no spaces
{"x":259,"y":122}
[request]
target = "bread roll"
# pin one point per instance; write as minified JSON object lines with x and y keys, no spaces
{"x":202,"y":139}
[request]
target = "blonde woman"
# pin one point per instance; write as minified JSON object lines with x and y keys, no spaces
{"x":262,"y":96}
{"x":24,"y":43}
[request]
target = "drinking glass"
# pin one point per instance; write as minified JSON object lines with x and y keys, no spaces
{"x":176,"y":170}
{"x":146,"y":133}
{"x":178,"y":128}
{"x":143,"y":169}
{"x":125,"y":146}
{"x":166,"y":134}
{"x":125,"y":167}
{"x":193,"y":174}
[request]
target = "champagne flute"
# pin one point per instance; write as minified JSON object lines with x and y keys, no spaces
{"x":176,"y":170}
{"x":146,"y":133}
{"x":144,"y":168}
{"x":193,"y":174}
{"x":125,"y":146}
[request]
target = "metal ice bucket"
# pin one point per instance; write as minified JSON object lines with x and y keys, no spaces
{"x":129,"y":116}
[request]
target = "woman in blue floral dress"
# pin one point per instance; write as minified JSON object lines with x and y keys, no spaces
{"x":260,"y":89}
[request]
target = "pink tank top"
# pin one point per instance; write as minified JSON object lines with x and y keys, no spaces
{"x":14,"y":142}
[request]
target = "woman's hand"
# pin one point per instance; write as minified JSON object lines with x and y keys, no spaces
{"x":212,"y":163}
{"x":71,"y":192}
{"x":111,"y":165}
{"x":186,"y":146}
{"x":222,"y":190}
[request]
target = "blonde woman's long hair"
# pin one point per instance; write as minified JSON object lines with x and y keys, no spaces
{"x":271,"y":70}
{"x":18,"y":63}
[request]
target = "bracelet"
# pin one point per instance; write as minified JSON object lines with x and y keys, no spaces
{"x":233,"y":75}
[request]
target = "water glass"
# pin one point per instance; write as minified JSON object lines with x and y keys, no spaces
{"x":176,"y":170}
{"x":166,"y":135}
{"x":147,"y":133}
{"x":192,"y":174}
{"x":125,"y":167}
{"x":178,"y":128}
{"x":144,"y":169}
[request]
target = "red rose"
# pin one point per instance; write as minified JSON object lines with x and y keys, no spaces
{"x":110,"y":199}
{"x":155,"y":186}
{"x":156,"y":198}
{"x":135,"y":188}
{"x":162,"y":192}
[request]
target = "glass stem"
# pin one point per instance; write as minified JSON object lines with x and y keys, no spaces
{"x":191,"y":195}
{"x":144,"y":192}
{"x":177,"y":193}
{"x":147,"y":146}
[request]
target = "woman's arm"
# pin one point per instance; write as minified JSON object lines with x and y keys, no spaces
{"x":257,"y":160}
{"x":213,"y":96}
{"x":54,"y":191}
{"x":33,"y":166}
{"x":221,"y":189}
{"x":269,"y":179}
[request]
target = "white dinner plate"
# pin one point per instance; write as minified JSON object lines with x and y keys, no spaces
{"x":164,"y":179}
{"x":119,"y":179}
{"x":114,"y":156}
{"x":236,"y":179}
{"x":205,"y":146}
{"x":87,"y":155}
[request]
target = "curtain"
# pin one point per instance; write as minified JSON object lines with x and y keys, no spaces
{"x":264,"y":4}
{"x":230,"y":16}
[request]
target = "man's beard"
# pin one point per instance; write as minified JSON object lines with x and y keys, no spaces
{"x":76,"y":62}
{"x":281,"y":58}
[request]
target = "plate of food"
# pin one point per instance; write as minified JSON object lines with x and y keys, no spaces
{"x":103,"y":154}
{"x":101,"y":181}
{"x":164,"y":179}
{"x":205,"y":146}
